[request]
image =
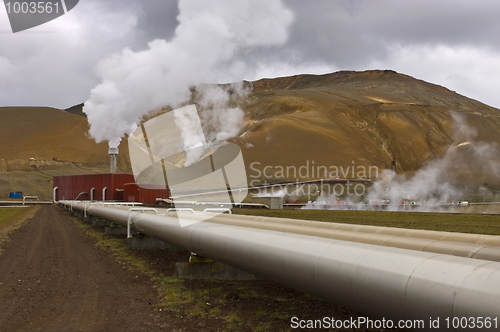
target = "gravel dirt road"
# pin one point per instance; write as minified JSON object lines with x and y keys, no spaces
{"x":52,"y":278}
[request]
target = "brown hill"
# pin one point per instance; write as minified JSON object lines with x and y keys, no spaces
{"x":49,"y":134}
{"x":56,"y":139}
{"x":334,"y":120}
{"x":361,"y":118}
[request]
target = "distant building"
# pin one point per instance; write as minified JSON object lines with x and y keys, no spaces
{"x":274,"y":203}
{"x":106,"y":187}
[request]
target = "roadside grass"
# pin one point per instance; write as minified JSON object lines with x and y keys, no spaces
{"x":173,"y":296}
{"x":263,"y":327}
{"x":212,"y":299}
{"x":12,"y":218}
{"x":451,"y":222}
{"x":233,"y":322}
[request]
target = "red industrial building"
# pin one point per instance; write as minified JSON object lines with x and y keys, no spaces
{"x":106,"y":187}
{"x":145,"y":193}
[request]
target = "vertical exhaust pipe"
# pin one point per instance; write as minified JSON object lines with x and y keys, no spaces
{"x":113,"y":152}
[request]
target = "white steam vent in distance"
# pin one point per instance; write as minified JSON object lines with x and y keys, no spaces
{"x":172,"y":150}
{"x":113,"y":152}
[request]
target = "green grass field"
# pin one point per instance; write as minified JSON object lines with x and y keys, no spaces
{"x":451,"y":222}
{"x":7,"y":213}
{"x":9,"y":216}
{"x":12,"y":218}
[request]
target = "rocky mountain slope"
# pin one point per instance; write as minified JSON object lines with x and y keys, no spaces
{"x":332,"y":121}
{"x":359,"y":118}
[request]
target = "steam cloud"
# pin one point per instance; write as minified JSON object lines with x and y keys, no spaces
{"x":204,"y":49}
{"x":445,"y":178}
{"x":468,"y":162}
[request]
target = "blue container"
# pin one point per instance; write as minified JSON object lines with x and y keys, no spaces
{"x":16,"y":195}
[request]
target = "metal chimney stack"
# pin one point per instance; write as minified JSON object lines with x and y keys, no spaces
{"x":113,"y":152}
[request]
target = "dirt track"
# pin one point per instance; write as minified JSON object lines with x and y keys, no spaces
{"x":52,"y":278}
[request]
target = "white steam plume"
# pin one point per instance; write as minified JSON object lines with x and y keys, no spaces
{"x":459,"y":172}
{"x":443,"y":179}
{"x":204,"y":49}
{"x":220,"y":120}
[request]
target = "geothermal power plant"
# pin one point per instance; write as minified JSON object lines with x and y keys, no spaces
{"x":411,"y":275}
{"x":383,"y":272}
{"x":114,"y":187}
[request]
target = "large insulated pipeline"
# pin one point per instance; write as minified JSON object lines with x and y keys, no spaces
{"x":381,"y":236}
{"x":493,"y":240}
{"x":393,"y":283}
{"x":472,"y":249}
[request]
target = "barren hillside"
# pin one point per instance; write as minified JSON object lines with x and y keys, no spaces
{"x":361,"y":118}
{"x":58,"y":142}
{"x":340,"y":119}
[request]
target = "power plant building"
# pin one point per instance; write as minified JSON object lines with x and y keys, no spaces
{"x":119,"y":187}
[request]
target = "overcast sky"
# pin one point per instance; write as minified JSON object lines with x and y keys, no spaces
{"x":453,"y":43}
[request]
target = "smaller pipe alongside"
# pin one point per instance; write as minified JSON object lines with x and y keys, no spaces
{"x":221,"y":210}
{"x":121,"y":204}
{"x":456,"y":248}
{"x":30,"y":197}
{"x":87,"y":203}
{"x":80,"y":194}
{"x":493,"y":240}
{"x":129,"y":217}
{"x":179,"y":210}
{"x":104,"y":194}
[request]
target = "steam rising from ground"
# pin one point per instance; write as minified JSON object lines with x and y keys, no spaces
{"x":442,"y":180}
{"x":220,"y":120}
{"x":209,"y":36}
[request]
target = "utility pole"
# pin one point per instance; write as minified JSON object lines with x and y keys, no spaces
{"x":393,"y":164}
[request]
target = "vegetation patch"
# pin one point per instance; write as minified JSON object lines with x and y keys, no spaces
{"x":450,"y":222}
{"x":12,"y":218}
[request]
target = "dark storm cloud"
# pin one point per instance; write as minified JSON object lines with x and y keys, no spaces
{"x":158,"y":20}
{"x":155,"y":19}
{"x":452,"y":43}
{"x":455,"y":43}
{"x":441,"y":22}
{"x":349,"y":33}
